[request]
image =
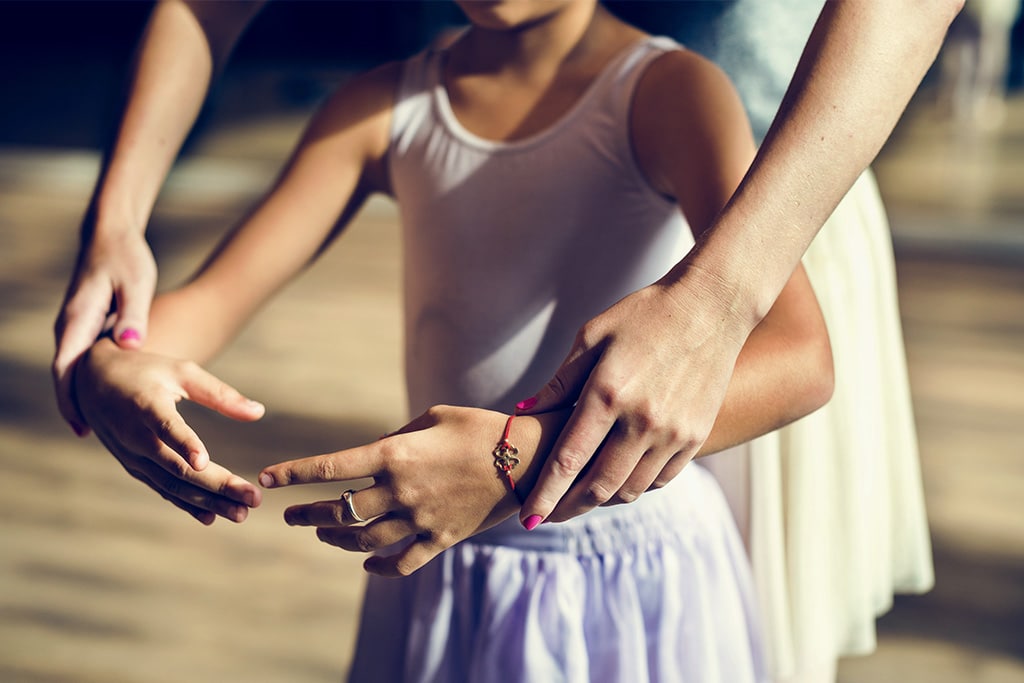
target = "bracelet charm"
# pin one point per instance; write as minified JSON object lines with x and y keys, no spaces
{"x":505,"y":453}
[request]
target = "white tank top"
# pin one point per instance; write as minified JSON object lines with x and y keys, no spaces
{"x":509,"y":247}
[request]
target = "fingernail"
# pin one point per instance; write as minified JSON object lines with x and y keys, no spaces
{"x":78,"y":429}
{"x":532,"y":521}
{"x":266,"y":481}
{"x":527,"y":404}
{"x":130,"y":334}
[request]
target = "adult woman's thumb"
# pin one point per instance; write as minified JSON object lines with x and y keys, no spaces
{"x":564,"y":388}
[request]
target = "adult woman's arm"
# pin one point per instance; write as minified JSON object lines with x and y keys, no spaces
{"x":861,"y":65}
{"x":184,"y":44}
{"x":130,"y":397}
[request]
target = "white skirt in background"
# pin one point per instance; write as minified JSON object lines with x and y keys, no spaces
{"x":658,"y":590}
{"x":832,"y":507}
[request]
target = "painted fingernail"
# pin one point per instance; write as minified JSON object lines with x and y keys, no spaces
{"x":266,"y":481}
{"x":130,"y":334}
{"x":527,"y":404}
{"x":532,"y":521}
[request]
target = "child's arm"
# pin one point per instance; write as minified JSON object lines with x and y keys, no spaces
{"x":692,"y":140}
{"x":337,"y":164}
{"x":129,"y":397}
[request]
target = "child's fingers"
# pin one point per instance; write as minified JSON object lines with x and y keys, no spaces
{"x":367,"y":504}
{"x":366,"y":539}
{"x":354,"y":463}
{"x":404,"y":563}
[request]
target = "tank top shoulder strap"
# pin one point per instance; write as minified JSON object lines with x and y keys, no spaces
{"x":413,"y":93}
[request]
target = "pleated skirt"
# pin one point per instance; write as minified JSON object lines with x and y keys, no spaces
{"x":658,"y":590}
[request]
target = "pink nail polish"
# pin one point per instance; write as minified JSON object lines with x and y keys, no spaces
{"x":130,"y":334}
{"x":527,"y":404}
{"x":532,"y":521}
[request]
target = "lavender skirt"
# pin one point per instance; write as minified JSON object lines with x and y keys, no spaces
{"x":658,"y":590}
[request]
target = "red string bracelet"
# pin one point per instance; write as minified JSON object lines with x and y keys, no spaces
{"x":505,"y":453}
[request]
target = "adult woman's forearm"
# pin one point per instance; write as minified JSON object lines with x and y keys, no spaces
{"x":862,"y":64}
{"x":183,"y":46}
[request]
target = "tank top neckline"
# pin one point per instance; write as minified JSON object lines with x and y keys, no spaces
{"x":455,"y":128}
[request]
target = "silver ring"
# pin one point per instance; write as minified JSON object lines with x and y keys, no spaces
{"x":347,"y":497}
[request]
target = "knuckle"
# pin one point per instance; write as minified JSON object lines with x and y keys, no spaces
{"x":392,"y":455}
{"x":644,"y":421}
{"x":179,"y":468}
{"x":596,"y":493}
{"x":365,"y":542}
{"x":445,"y":538}
{"x":337,"y":513}
{"x":608,"y":394}
{"x":172,"y":488}
{"x":188,"y":367}
{"x":589,"y":335}
{"x":438,"y":413}
{"x":568,"y":462}
{"x":675,"y":434}
{"x":405,"y":566}
{"x":625,"y":496}
{"x":325,"y":469}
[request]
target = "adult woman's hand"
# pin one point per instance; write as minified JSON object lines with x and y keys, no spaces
{"x":116,"y":269}
{"x":130,"y":400}
{"x":647,"y":378}
{"x":435,"y":484}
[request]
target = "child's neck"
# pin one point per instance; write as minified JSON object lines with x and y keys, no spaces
{"x":510,"y":84}
{"x":536,"y":49}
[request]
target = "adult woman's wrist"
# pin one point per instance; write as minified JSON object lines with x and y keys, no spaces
{"x":709,"y":301}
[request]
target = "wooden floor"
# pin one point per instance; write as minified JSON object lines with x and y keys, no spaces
{"x":100,"y":580}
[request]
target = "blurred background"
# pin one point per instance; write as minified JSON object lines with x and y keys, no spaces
{"x":102,"y":581}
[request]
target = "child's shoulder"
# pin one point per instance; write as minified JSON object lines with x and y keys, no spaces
{"x":682,"y":71}
{"x":683,"y":86}
{"x":377,"y":84}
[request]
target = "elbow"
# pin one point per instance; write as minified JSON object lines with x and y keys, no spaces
{"x":824,"y":383}
{"x":954,"y":7}
{"x":820,"y":379}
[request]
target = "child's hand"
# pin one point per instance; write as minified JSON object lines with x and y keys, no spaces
{"x":129,"y":398}
{"x":434,"y":482}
